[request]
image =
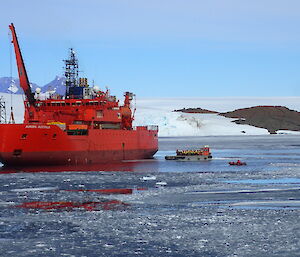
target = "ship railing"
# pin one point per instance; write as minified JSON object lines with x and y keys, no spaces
{"x":148,"y":127}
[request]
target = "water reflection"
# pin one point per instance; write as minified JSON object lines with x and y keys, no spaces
{"x":126,"y":166}
{"x":105,"y":204}
{"x":87,"y":205}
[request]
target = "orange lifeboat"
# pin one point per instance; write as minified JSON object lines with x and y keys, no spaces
{"x":237,"y":163}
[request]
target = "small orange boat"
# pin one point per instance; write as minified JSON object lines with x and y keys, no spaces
{"x":237,"y":163}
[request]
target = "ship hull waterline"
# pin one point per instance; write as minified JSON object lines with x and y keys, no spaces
{"x":40,"y":144}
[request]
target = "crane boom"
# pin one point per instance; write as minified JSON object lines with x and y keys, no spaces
{"x":24,"y":82}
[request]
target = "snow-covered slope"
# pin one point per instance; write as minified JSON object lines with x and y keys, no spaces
{"x":159,"y":112}
{"x":176,"y":124}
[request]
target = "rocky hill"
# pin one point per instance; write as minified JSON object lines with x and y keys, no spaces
{"x":272,"y":118}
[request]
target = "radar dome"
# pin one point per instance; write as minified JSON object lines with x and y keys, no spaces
{"x":96,"y":88}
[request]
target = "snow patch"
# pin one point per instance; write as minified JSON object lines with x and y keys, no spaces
{"x":13,"y":88}
{"x":288,"y":132}
{"x":193,"y":124}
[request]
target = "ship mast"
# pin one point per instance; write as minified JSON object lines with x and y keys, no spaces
{"x":71,"y":73}
{"x":24,"y":82}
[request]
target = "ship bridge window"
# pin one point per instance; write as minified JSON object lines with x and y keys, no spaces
{"x":63,"y":104}
{"x":48,"y":104}
{"x":67,"y":104}
{"x":58,"y":104}
{"x":73,"y":104}
{"x":99,"y":113}
{"x":78,"y":122}
{"x":78,"y":103}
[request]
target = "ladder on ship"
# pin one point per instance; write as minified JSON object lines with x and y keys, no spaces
{"x":2,"y":110}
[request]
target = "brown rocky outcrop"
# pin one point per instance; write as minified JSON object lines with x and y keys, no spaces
{"x":272,"y":118}
{"x":194,"y":110}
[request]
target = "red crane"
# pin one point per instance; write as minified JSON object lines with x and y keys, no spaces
{"x":24,"y":82}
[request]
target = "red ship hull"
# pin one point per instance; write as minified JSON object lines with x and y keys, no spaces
{"x":36,"y":144}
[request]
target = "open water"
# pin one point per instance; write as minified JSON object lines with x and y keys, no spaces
{"x":160,"y":208}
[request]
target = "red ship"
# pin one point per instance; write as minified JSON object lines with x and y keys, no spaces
{"x":85,"y":126}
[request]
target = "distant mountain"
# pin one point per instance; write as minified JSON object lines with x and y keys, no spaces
{"x":57,"y":85}
{"x":8,"y":85}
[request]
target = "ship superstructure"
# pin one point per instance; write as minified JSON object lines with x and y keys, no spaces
{"x":86,"y":125}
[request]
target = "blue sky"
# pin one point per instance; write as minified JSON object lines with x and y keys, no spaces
{"x":161,"y":48}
